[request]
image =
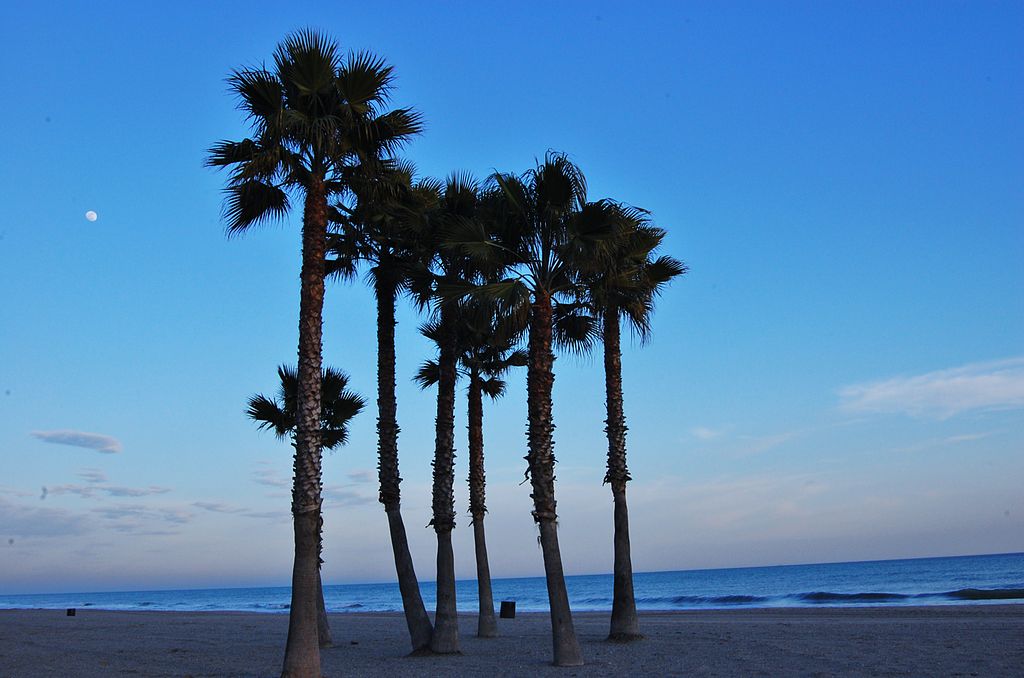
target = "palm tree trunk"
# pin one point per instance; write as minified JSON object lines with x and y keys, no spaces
{"x":541,"y":459}
{"x":323,"y":625}
{"x":625,"y":625}
{"x":445,"y":639}
{"x":487,"y":625}
{"x":420,"y":629}
{"x":302,"y":651}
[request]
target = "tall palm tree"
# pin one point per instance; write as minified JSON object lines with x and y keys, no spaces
{"x":544,"y":229}
{"x":314,"y":117}
{"x":454,"y":205}
{"x":373,"y":230}
{"x":485,"y":353}
{"x":622,"y":285}
{"x":338,"y":407}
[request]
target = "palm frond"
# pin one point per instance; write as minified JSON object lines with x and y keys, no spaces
{"x":307,"y":62}
{"x":269,"y":415}
{"x":260,"y":96}
{"x":493,"y":387}
{"x":338,"y":406}
{"x":365,"y":81}
{"x":574,"y":329}
{"x":225,"y":153}
{"x":388,"y":133}
{"x":662,"y":270}
{"x":428,"y":375}
{"x":253,"y":202}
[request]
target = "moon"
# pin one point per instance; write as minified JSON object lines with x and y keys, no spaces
{"x":91,"y":216}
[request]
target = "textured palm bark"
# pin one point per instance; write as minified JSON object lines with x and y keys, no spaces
{"x":541,"y":459}
{"x":625,"y":625}
{"x":323,"y":625}
{"x":302,"y":651}
{"x":416,"y":618}
{"x":445,"y":639}
{"x":420,"y":629}
{"x":487,"y":625}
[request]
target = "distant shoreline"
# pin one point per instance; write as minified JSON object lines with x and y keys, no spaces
{"x":963,"y":580}
{"x":931,"y":640}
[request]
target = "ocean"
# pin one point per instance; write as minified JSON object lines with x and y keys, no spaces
{"x":919,"y":581}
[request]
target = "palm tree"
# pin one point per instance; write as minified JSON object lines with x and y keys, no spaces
{"x":338,"y":406}
{"x":544,"y":229}
{"x":375,"y":231}
{"x":314,"y":117}
{"x":622,"y":286}
{"x":486,"y":352}
{"x":454,"y":205}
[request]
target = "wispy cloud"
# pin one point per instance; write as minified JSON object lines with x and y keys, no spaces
{"x":94,"y":490}
{"x":270,"y":478}
{"x":220,"y":507}
{"x":752,"y":445}
{"x":340,"y":495}
{"x":138,"y":518}
{"x":217,"y":507}
{"x":90,"y":441}
{"x":705,"y":433}
{"x":36,"y":521}
{"x":943,"y":393}
{"x":92,"y":475}
{"x":944,"y":442}
{"x":361,"y":476}
{"x":14,"y":492}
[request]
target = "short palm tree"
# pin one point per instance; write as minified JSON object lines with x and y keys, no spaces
{"x":486,"y":351}
{"x":544,"y":230}
{"x":338,"y":407}
{"x":373,"y":230}
{"x":622,"y":285}
{"x":314,"y":118}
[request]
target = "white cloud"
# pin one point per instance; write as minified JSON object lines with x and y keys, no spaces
{"x":944,"y":393}
{"x":91,"y":441}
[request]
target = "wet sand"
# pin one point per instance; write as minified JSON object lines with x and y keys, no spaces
{"x":983,"y":640}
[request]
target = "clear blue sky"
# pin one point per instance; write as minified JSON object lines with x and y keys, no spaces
{"x":839,"y":377}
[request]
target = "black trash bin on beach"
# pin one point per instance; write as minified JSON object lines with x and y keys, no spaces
{"x":508,"y":609}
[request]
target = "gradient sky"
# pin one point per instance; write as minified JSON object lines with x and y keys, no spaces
{"x":839,"y":377}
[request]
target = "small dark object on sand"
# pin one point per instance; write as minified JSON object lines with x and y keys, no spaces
{"x":71,"y":612}
{"x":508,"y":609}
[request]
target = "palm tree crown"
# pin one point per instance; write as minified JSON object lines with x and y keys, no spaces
{"x":338,"y":406}
{"x":315,"y":116}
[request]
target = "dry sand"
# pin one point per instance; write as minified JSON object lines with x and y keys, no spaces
{"x":927,"y":641}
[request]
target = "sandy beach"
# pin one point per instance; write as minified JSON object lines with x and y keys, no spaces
{"x":924,"y":641}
